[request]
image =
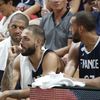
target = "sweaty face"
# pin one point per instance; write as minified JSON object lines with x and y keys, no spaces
{"x":15,"y":28}
{"x":75,"y":30}
{"x":57,"y":4}
{"x":27,"y":43}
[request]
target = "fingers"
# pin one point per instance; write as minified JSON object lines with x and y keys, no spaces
{"x":14,"y":51}
{"x":65,"y":58}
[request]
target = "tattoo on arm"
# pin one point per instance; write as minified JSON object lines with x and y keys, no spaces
{"x":7,"y":77}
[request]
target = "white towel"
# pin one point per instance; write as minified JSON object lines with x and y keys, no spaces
{"x":26,"y":71}
{"x":54,"y":80}
{"x":4,"y":47}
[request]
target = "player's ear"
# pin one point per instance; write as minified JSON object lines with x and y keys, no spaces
{"x":38,"y":41}
{"x":81,"y":29}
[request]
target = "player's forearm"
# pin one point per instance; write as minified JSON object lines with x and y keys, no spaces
{"x":7,"y":77}
{"x":17,"y":94}
{"x":61,"y":52}
{"x":70,"y":68}
{"x":91,"y":82}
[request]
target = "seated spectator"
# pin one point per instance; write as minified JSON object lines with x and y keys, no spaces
{"x":96,"y":14}
{"x":56,"y":23}
{"x":94,"y":7}
{"x":6,"y":9}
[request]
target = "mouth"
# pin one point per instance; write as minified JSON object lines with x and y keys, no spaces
{"x":19,"y":48}
{"x":56,"y":4}
{"x":18,"y":37}
{"x":22,"y":48}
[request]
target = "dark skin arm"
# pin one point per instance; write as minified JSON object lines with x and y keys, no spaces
{"x":62,"y":51}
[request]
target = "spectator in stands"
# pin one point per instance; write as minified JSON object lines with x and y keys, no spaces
{"x":96,"y":14}
{"x":25,"y":4}
{"x":16,"y":25}
{"x":6,"y":8}
{"x":94,"y":7}
{"x":56,"y":24}
{"x":34,"y":60}
{"x":85,"y":53}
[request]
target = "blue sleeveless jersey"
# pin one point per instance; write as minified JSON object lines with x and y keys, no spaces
{"x":89,"y":62}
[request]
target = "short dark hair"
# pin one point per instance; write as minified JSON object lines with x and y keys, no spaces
{"x":86,"y":19}
{"x":20,"y":16}
{"x":37,"y":30}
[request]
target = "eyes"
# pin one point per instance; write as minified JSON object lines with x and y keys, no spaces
{"x":15,"y":27}
{"x":25,"y":38}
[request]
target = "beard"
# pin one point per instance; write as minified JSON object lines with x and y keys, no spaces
{"x":76,"y":38}
{"x":29,"y":51}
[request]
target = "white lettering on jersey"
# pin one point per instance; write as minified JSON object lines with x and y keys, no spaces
{"x":89,"y":64}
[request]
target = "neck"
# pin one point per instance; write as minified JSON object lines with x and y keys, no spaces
{"x":58,"y":14}
{"x":36,"y":57}
{"x":90,"y":40}
{"x":14,"y":43}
